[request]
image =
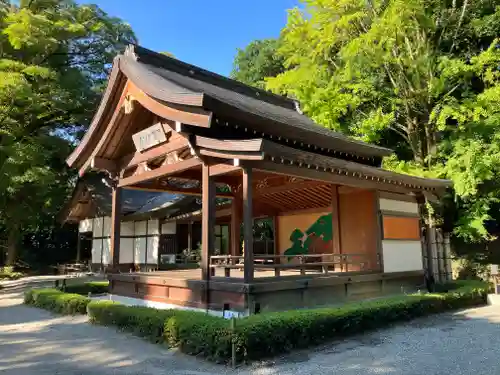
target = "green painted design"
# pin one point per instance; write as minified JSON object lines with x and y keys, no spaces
{"x":317,"y":237}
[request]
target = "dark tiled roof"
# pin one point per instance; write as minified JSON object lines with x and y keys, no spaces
{"x":164,"y":76}
{"x":135,"y":203}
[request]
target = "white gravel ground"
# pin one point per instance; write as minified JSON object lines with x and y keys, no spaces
{"x":33,"y":341}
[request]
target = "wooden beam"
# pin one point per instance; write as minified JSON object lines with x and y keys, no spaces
{"x":161,"y":189}
{"x":244,"y":155}
{"x":159,"y":172}
{"x":195,"y":175}
{"x":207,"y":223}
{"x":236,"y":208}
{"x":337,"y":241}
{"x":248,"y":272}
{"x":118,"y":113}
{"x":116,"y":199}
{"x":184,"y":114}
{"x":247,"y":145}
{"x":136,"y":158}
{"x":221,"y":169}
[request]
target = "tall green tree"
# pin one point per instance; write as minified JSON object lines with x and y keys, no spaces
{"x":420,"y":76}
{"x":54,"y":59}
{"x":258,"y":61}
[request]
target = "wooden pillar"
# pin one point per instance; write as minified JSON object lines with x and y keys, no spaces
{"x":379,"y":231}
{"x":337,"y":241}
{"x":190,"y":236}
{"x":236,"y":226}
{"x":78,"y":246}
{"x":248,"y":225}
{"x":116,"y":201}
{"x":276,"y":242}
{"x":207,"y":221}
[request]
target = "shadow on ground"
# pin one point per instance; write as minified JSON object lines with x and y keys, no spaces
{"x":33,"y":341}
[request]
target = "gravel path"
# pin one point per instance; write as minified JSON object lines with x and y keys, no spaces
{"x":33,"y":341}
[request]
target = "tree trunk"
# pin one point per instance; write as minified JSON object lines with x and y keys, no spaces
{"x":12,"y":247}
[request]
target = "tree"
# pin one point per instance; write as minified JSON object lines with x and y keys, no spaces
{"x":256,"y":62}
{"x":54,"y":59}
{"x":419,"y":76}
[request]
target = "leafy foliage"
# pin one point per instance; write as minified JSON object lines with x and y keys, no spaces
{"x":54,"y":59}
{"x":256,"y":62}
{"x":419,"y":76}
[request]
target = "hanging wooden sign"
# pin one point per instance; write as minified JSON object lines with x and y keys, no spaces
{"x":149,"y":137}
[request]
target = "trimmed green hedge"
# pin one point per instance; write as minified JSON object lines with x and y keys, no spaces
{"x":142,"y":321}
{"x":92,"y":287}
{"x":57,"y":301}
{"x":270,"y":334}
{"x":267,"y":335}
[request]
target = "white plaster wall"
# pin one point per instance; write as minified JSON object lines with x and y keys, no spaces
{"x":126,"y":250}
{"x":140,"y":228}
{"x":96,"y":251}
{"x":398,"y":206}
{"x":153,"y":227}
{"x":139,"y":250}
{"x":401,"y":256}
{"x":97,"y":227}
{"x":85,"y":225}
{"x":127,"y":228}
{"x":168,"y":228}
{"x":152,"y":250}
{"x":106,"y":251}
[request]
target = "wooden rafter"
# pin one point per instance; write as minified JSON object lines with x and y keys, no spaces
{"x":286,"y":187}
{"x":327,"y":176}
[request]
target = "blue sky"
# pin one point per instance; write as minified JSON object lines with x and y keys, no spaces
{"x":205,"y":33}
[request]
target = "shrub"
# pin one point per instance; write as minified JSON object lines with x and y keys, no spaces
{"x":198,"y":333}
{"x":266,"y":335}
{"x":56,"y":301}
{"x":8,"y":273}
{"x":92,"y":287}
{"x":142,"y":321}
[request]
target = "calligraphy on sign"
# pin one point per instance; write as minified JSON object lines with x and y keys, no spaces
{"x":149,"y":137}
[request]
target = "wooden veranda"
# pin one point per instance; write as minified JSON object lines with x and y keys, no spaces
{"x":164,"y":125}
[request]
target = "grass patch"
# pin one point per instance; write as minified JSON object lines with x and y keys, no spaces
{"x":57,"y":301}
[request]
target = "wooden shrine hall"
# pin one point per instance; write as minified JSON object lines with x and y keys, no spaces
{"x":344,"y":228}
